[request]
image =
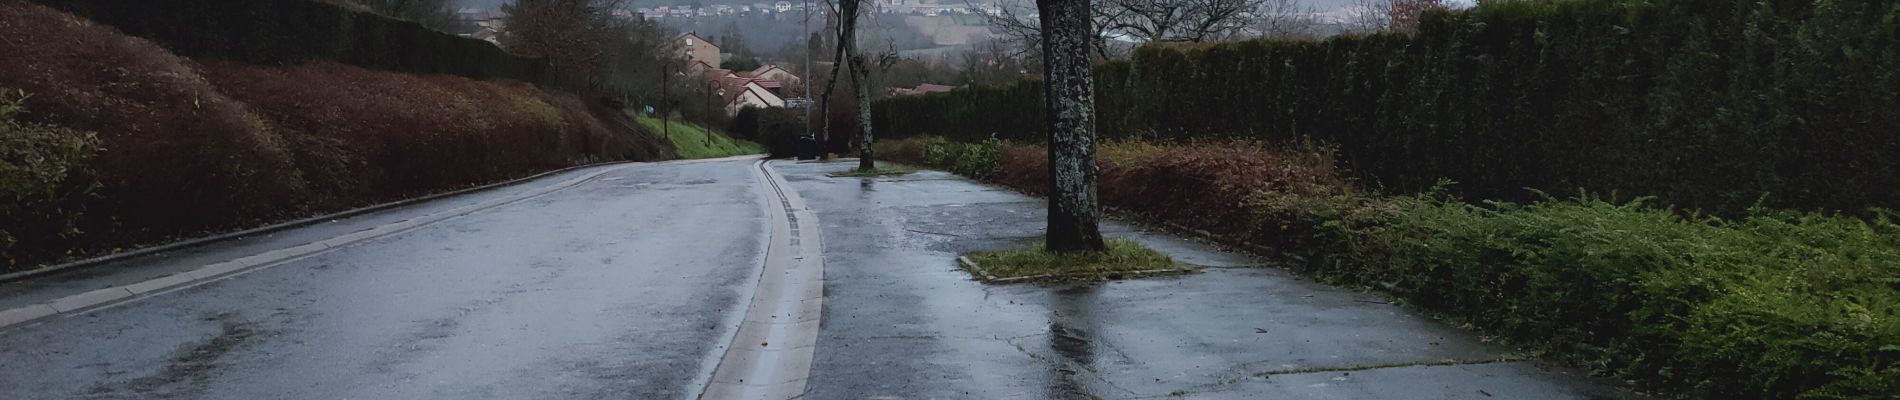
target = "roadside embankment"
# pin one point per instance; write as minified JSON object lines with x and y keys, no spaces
{"x":1776,"y":304}
{"x":692,"y":141}
{"x":185,"y":147}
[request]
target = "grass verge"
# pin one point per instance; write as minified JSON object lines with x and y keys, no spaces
{"x":692,"y":141}
{"x":1124,"y":259}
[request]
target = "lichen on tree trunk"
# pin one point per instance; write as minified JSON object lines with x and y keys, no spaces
{"x":1070,"y":100}
{"x":859,"y":78}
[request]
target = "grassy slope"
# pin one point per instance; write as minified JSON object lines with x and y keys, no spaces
{"x":692,"y":141}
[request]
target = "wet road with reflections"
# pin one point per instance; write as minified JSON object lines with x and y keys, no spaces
{"x":902,"y":322}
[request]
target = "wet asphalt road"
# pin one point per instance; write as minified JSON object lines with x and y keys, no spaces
{"x":902,"y":321}
{"x":624,"y":286}
{"x":617,"y":288}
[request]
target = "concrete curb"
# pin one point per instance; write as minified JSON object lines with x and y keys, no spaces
{"x":769,"y":356}
{"x":86,"y":301}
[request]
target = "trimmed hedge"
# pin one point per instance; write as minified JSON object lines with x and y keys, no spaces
{"x":778,"y":129}
{"x":289,"y":32}
{"x":1706,"y":104}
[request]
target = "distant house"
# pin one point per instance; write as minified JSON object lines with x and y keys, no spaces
{"x":740,"y":93}
{"x":776,"y":74}
{"x":695,"y":48}
{"x":488,"y":24}
{"x":926,"y":88}
{"x":716,"y":74}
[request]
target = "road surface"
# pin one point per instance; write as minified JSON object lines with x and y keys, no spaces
{"x":635,"y":282}
{"x":617,"y":288}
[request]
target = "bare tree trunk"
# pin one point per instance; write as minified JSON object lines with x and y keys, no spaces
{"x":1069,"y":96}
{"x":847,"y":46}
{"x":859,"y":78}
{"x":837,"y":62}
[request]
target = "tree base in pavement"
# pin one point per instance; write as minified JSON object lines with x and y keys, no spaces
{"x":1124,"y":259}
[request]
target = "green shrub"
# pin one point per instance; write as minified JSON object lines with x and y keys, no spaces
{"x":1776,"y":305}
{"x":937,"y":152}
{"x":976,"y":160}
{"x":45,"y":178}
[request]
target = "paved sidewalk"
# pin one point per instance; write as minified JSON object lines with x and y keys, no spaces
{"x":902,"y":322}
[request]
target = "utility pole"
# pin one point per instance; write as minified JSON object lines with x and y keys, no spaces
{"x":806,"y":30}
{"x":666,"y":108}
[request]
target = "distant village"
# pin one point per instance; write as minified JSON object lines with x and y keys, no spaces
{"x":767,"y":86}
{"x":764,"y":87}
{"x":903,"y":7}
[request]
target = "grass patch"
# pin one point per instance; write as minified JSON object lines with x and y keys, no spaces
{"x":1124,"y":259}
{"x":693,"y":141}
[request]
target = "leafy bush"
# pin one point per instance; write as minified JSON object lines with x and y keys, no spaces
{"x":1705,"y":104}
{"x":975,"y":160}
{"x":1776,"y":305}
{"x":978,"y":160}
{"x":45,"y":178}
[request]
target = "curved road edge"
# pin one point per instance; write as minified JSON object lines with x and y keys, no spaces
{"x":770,"y":356}
{"x":87,"y":301}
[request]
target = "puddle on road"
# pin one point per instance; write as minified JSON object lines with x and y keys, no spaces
{"x":1071,"y":321}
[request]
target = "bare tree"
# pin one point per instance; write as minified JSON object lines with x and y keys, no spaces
{"x":572,"y":34}
{"x":1287,"y":20}
{"x":1368,"y":16}
{"x":1069,"y":96}
{"x":989,"y":62}
{"x":1019,"y":28}
{"x":847,"y":56}
{"x":1177,"y":20}
{"x":1388,"y":15}
{"x":1402,"y":15}
{"x":1141,"y":21}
